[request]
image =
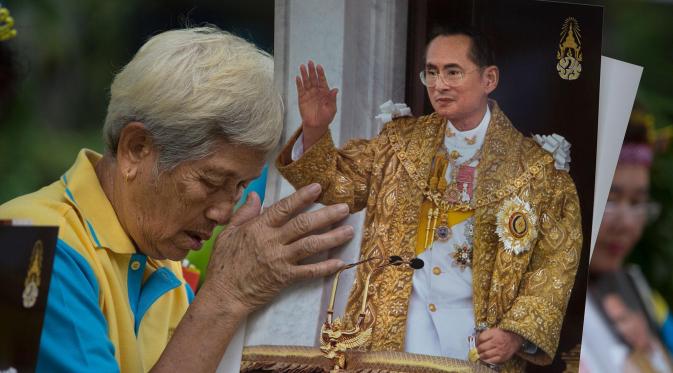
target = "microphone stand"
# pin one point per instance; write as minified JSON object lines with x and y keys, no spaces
{"x":334,"y":340}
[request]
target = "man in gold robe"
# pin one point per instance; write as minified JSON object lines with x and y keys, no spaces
{"x":497,"y":224}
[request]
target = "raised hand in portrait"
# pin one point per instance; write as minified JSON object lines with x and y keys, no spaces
{"x":317,"y":102}
{"x":258,"y":255}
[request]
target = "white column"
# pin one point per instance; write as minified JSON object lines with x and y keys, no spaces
{"x":362,"y":46}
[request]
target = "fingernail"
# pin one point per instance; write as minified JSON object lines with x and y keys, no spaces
{"x":342,"y":208}
{"x":347,"y":229}
{"x":314,"y":188}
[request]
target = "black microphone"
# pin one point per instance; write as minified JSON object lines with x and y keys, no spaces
{"x":416,"y":263}
{"x":395,"y":260}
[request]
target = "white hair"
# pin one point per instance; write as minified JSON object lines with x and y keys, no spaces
{"x":193,"y":88}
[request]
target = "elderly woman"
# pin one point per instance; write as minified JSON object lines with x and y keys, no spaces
{"x":190,"y":123}
{"x":619,"y":333}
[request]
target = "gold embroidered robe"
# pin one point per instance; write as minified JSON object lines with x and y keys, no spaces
{"x":525,"y":293}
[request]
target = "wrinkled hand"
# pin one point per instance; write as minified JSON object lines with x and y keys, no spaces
{"x":496,"y":346}
{"x":257,"y":255}
{"x":631,"y":325}
{"x":317,"y":102}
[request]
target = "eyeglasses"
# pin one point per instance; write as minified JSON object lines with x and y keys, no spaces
{"x":451,"y":76}
{"x":641,"y":210}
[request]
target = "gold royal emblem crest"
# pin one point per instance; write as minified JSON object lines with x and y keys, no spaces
{"x":31,"y":287}
{"x":569,"y":54}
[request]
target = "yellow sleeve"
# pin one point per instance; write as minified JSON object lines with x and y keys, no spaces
{"x":539,"y":309}
{"x":343,"y":173}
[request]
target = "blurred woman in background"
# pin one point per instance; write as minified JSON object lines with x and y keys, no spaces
{"x":622,"y":328}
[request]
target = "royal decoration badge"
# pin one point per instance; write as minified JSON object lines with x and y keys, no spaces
{"x":516,"y":225}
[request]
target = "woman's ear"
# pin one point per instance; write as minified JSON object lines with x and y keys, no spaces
{"x":134,"y":148}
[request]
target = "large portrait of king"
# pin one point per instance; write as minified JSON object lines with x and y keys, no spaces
{"x":462,"y":136}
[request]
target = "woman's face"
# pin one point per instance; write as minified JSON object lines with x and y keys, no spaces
{"x":169,"y":214}
{"x":624,"y":218}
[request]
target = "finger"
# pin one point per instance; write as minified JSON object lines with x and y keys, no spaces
{"x":282,"y":211}
{"x":485,"y":347}
{"x":300,"y":87}
{"x":493,"y":358}
{"x":311,"y":245}
{"x":308,"y":222}
{"x":333,"y":94}
{"x":304,"y":77}
{"x":322,"y":79}
{"x":484,"y":356}
{"x":317,"y":270}
{"x":249,"y":210}
{"x":312,"y":74}
{"x":484,"y":336}
{"x":489,"y":353}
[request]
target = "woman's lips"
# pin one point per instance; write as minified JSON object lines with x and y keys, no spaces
{"x":195,"y":242}
{"x":615,"y":248}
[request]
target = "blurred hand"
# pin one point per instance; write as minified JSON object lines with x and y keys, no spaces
{"x":496,"y":346}
{"x":257,"y":255}
{"x":632,"y":326}
{"x":317,"y":103}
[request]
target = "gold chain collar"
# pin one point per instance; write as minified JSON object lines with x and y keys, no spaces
{"x":436,"y":197}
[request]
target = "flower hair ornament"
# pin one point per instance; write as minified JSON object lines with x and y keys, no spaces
{"x":6,"y":24}
{"x":516,"y":225}
{"x":641,"y":154}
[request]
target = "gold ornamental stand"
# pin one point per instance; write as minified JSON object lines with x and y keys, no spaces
{"x":341,"y":347}
{"x":298,"y":359}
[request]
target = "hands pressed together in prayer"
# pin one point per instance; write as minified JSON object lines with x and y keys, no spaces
{"x":258,"y":255}
{"x":254,"y":258}
{"x":496,"y":346}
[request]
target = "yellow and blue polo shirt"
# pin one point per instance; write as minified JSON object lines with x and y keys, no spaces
{"x":109,"y":307}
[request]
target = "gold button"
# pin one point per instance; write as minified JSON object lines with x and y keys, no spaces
{"x":432,"y":307}
{"x":135,"y":265}
{"x":436,"y":271}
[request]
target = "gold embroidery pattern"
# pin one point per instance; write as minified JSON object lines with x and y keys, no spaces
{"x":421,"y":180}
{"x":391,"y":289}
{"x":526,"y":293}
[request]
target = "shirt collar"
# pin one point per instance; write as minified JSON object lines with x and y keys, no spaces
{"x":83,"y":189}
{"x":479,"y":130}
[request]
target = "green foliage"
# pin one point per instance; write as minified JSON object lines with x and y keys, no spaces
{"x":65,"y":56}
{"x":62,"y":64}
{"x":32,"y":157}
{"x":654,"y":252}
{"x":64,"y":59}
